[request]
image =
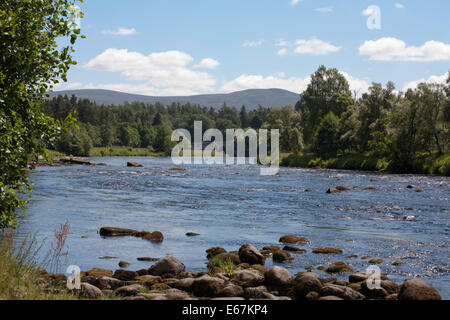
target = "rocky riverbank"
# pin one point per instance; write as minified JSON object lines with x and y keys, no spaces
{"x":239,"y":275}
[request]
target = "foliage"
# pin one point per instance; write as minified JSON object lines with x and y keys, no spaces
{"x":30,"y":63}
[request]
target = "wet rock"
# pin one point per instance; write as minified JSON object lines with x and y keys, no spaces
{"x":366,"y":257}
{"x":72,"y":160}
{"x":278,"y":277}
{"x":342,"y":188}
{"x":98,"y":273}
{"x":177,"y":169}
{"x":391,"y":297}
{"x":149,"y":259}
{"x":352,"y":256}
{"x":107,"y":257}
{"x":249,"y":254}
{"x":135,"y":298}
{"x":271,"y":249}
{"x":125,"y":275}
{"x":333,"y":191}
{"x":376,"y":261}
{"x":370,"y":189}
{"x":307,"y":282}
{"x":134,"y":164}
{"x":91,"y":291}
{"x":84,"y":236}
{"x":327,"y":250}
{"x":247,"y":278}
{"x":398,"y":263}
{"x":259,"y":268}
{"x":155,"y":236}
{"x":232,"y":290}
{"x":342,"y":292}
{"x":338,"y":267}
{"x":409,"y":187}
{"x":192,"y":234}
{"x":418,"y":290}
{"x":293,"y":239}
{"x":124,"y":264}
{"x":294,"y":249}
{"x":418,"y":190}
{"x":130,"y":290}
{"x":340,"y":282}
{"x":117,"y":232}
{"x":282,"y":256}
{"x":167,"y":265}
{"x":207,"y":286}
{"x":212,"y":252}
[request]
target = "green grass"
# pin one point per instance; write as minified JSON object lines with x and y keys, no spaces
{"x":124,"y":152}
{"x":424,"y":164}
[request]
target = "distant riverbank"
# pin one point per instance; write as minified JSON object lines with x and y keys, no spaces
{"x":433,"y":164}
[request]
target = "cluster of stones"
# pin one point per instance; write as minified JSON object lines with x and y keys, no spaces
{"x":167,"y":279}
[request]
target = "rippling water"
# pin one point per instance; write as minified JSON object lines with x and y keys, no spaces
{"x":232,"y":205}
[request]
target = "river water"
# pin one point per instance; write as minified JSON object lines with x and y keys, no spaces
{"x":229,"y":205}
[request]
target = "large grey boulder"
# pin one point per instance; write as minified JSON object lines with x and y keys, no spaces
{"x":207,"y":286}
{"x":167,"y":265}
{"x":91,"y":291}
{"x":307,"y":282}
{"x":247,"y":278}
{"x":249,"y":254}
{"x":278,"y":277}
{"x":342,"y":292}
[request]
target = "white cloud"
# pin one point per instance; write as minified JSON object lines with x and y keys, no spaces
{"x":392,"y":49}
{"x":207,"y":63}
{"x":325,"y":9}
{"x":294,"y":84}
{"x":252,"y":44}
{"x":399,"y":5}
{"x":160,"y":71}
{"x":315,"y":46}
{"x":294,"y":2}
{"x":433,"y":79}
{"x":120,"y":32}
{"x":67,"y":86}
{"x":282,"y":43}
{"x":282,"y":52}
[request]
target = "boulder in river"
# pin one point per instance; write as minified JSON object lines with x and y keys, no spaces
{"x":282,"y":256}
{"x":294,"y":249}
{"x":192,"y":234}
{"x":342,"y":292}
{"x":134,"y":164}
{"x":342,"y":188}
{"x":117,"y":232}
{"x":333,"y":190}
{"x":278,"y":277}
{"x":418,"y":290}
{"x":249,"y":254}
{"x":124,"y":264}
{"x":338,"y":267}
{"x":98,"y":273}
{"x":167,"y":265}
{"x":293,"y":239}
{"x":212,"y":252}
{"x":155,"y":236}
{"x":327,"y":250}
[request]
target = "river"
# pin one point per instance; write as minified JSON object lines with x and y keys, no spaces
{"x":229,"y":205}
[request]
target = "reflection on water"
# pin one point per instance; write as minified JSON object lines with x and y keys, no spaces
{"x":231,"y":205}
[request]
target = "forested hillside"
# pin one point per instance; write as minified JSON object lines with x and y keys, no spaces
{"x":383,"y":129}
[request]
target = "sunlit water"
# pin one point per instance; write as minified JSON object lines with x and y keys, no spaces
{"x":232,"y":205}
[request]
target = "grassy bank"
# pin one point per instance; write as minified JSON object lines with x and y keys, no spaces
{"x":124,"y":152}
{"x":425,"y":164}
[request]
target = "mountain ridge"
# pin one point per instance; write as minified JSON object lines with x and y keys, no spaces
{"x":251,"y":98}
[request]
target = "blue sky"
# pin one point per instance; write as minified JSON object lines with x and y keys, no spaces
{"x":180,"y":47}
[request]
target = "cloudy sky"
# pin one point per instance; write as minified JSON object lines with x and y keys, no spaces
{"x":179,"y":47}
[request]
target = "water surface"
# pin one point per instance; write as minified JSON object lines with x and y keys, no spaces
{"x":232,"y":205}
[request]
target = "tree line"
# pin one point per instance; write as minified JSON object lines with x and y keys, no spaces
{"x":327,"y":121}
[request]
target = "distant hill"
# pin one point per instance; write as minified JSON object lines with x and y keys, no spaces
{"x":250,"y":98}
